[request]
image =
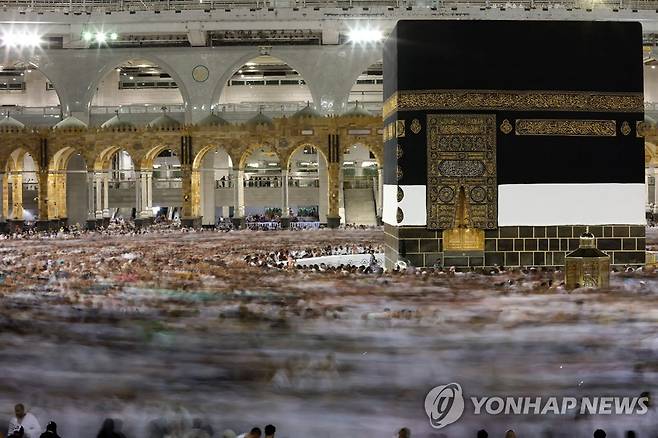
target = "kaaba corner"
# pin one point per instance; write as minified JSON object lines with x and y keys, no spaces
{"x":507,"y":140}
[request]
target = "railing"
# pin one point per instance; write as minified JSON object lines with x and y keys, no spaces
{"x":262,"y":181}
{"x":304,"y":225}
{"x":263,"y":226}
{"x":304,"y":181}
{"x":167,"y":183}
{"x":137,"y":109}
{"x":122,"y":185}
{"x":359,"y":182}
{"x":150,"y":5}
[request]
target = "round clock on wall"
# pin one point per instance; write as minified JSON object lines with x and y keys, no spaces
{"x":200,"y":73}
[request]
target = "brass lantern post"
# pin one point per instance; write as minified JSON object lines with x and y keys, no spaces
{"x":587,"y":266}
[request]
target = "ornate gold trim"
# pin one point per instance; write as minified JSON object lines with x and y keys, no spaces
{"x":461,"y":160}
{"x":415,"y":126}
{"x":399,"y":151}
{"x":506,"y":127}
{"x":390,"y":105}
{"x":513,"y":100}
{"x":625,"y":128}
{"x":399,"y":128}
{"x":399,"y":173}
{"x":566,"y":127}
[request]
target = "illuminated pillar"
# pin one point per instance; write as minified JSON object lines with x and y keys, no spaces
{"x":138,"y":194}
{"x":106,"y":194}
{"x":91,"y":211}
{"x":98,"y":191}
{"x":144,"y":195}
{"x":285,"y":208}
{"x":238,"y":203}
{"x":17,"y":195}
{"x":149,"y":193}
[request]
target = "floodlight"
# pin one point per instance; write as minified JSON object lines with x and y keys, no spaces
{"x":100,"y":37}
{"x":361,"y":36}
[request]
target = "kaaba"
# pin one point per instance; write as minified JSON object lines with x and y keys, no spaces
{"x":506,"y":140}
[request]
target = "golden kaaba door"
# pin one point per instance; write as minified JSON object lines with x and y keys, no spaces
{"x":462,"y":191}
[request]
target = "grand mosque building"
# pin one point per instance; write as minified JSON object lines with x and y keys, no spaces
{"x":216,"y":111}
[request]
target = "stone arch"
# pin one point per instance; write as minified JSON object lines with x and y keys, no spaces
{"x":196,"y":186}
{"x":57,"y":182}
{"x":110,"y":66}
{"x":299,"y":146}
{"x":221,"y":86}
{"x":373,"y":150}
{"x":301,"y":181}
{"x":146,"y":161}
{"x":14,"y":170}
{"x":367,"y":93}
{"x":30,"y":67}
{"x":251,"y":149}
{"x":102,"y":161}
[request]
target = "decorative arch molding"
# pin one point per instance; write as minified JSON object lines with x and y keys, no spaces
{"x":57,"y":181}
{"x":249,"y":150}
{"x":300,"y":145}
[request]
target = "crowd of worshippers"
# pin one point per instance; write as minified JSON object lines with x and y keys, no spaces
{"x":24,"y":424}
{"x":289,"y":258}
{"x":129,"y":228}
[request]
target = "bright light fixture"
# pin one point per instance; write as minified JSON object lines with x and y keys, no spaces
{"x":100,"y":37}
{"x":87,"y":36}
{"x":362,"y":36}
{"x":114,"y":36}
{"x":23,"y":39}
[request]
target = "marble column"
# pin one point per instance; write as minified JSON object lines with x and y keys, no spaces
{"x":106,"y":195}
{"x":138,"y":195}
{"x":149,"y":194}
{"x":238,"y":203}
{"x":285,"y":208}
{"x":646,"y":187}
{"x":91,"y":210}
{"x":98,"y":188}
{"x":144,"y":188}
